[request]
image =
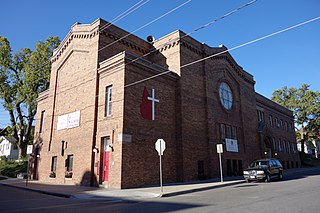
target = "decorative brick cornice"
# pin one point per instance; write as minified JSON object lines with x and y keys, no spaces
{"x":68,"y":40}
{"x":167,"y":46}
{"x":43,"y":95}
{"x":226,"y":56}
{"x":125,"y":42}
{"x":240,"y":72}
{"x":273,"y":105}
{"x":192,"y":48}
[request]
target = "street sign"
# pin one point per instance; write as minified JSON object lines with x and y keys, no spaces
{"x":219,"y":151}
{"x":160,"y":146}
{"x":29,"y":149}
{"x":219,"y":148}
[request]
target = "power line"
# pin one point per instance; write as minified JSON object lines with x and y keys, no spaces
{"x":220,"y":53}
{"x":114,"y":20}
{"x":253,"y":41}
{"x":135,"y":7}
{"x":124,"y":14}
{"x":221,"y":17}
{"x":173,"y":40}
{"x":154,"y":20}
{"x":188,"y":34}
{"x":228,"y":50}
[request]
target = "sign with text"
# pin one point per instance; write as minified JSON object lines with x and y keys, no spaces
{"x":29,"y":149}
{"x":231,"y":145}
{"x":219,"y":148}
{"x":67,"y":121}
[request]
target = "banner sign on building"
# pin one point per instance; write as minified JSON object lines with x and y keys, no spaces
{"x":67,"y":121}
{"x":231,"y":145}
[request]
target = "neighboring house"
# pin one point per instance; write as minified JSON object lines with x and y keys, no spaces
{"x":98,"y":122}
{"x":311,"y":148}
{"x":8,"y":147}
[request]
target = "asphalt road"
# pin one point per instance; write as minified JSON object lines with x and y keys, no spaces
{"x":297,"y":193}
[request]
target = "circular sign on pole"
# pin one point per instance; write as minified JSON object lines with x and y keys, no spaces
{"x":160,"y":146}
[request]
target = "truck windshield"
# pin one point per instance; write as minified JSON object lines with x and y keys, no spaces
{"x":259,"y":164}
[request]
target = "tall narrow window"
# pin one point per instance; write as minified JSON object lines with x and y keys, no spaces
{"x":229,"y":135}
{"x":108,"y":111}
{"x":54,"y":164}
{"x":42,"y":121}
{"x":270,"y":120}
{"x":274,"y":144}
{"x":277,"y":122}
{"x":222,"y":131}
{"x":69,"y":166}
{"x":53,"y":167}
{"x":280,"y":147}
{"x":285,"y":126}
{"x":234,"y":132}
{"x":260,"y":115}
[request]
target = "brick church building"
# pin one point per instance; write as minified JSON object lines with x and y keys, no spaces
{"x":110,"y":100}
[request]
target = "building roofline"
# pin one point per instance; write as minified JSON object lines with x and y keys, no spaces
{"x":266,"y":101}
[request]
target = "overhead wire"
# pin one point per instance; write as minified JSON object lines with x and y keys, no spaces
{"x":167,"y":13}
{"x":228,"y":50}
{"x":147,"y":24}
{"x":208,"y":57}
{"x":253,"y":41}
{"x":113,"y":21}
{"x":124,"y":14}
{"x":170,"y":41}
{"x":188,"y":34}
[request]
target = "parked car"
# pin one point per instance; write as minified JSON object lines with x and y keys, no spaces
{"x":263,"y":169}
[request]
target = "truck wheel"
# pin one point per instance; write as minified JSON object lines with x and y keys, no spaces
{"x":267,"y":180}
{"x":280,"y":176}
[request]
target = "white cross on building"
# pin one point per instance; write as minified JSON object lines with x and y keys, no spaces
{"x":153,"y":99}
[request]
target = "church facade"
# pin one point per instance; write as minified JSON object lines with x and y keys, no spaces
{"x":110,"y":100}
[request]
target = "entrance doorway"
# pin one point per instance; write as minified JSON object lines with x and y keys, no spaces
{"x":35,"y":164}
{"x":268,"y":148}
{"x":104,"y":160}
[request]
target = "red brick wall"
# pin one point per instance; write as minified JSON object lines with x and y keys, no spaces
{"x":187,"y":117}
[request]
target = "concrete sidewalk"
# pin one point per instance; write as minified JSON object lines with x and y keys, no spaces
{"x":81,"y":192}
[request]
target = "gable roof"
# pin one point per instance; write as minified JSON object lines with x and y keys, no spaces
{"x":8,"y":138}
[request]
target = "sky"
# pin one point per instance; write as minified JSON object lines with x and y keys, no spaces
{"x":287,"y":59}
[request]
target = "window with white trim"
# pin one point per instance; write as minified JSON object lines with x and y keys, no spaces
{"x":108,"y":110}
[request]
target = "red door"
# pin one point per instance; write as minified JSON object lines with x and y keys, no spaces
{"x":106,"y":166}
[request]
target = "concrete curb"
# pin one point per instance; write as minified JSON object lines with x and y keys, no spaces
{"x":217,"y":185}
{"x":57,"y":194}
{"x":173,"y":189}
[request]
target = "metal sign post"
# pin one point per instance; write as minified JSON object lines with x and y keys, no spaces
{"x":29,"y":151}
{"x":219,"y":151}
{"x":160,"y":146}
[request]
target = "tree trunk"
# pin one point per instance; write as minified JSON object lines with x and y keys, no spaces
{"x":303,"y":136}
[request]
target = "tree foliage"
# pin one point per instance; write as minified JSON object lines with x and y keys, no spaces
{"x":23,"y":76}
{"x":305,"y":105}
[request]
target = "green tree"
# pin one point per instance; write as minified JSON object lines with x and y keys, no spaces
{"x":23,"y":76}
{"x":305,"y":105}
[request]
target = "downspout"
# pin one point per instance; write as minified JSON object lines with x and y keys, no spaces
{"x":93,"y":180}
{"x":53,"y":107}
{"x":94,"y":132}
